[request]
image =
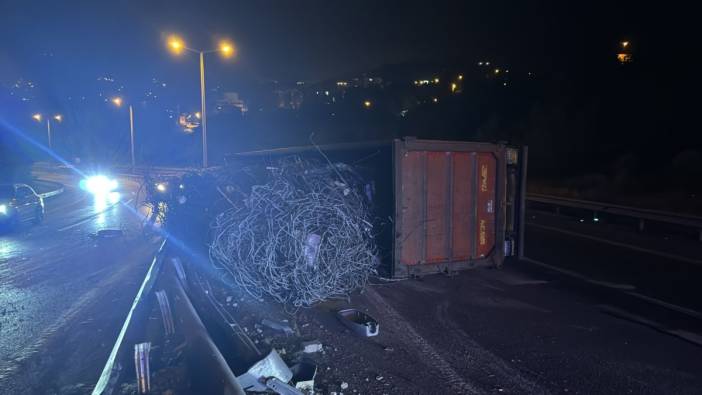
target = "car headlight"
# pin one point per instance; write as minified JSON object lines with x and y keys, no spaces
{"x":3,"y":209}
{"x":99,"y":185}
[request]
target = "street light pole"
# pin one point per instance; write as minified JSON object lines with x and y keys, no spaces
{"x":48,"y":130}
{"x":226,"y":49}
{"x":131,"y":134}
{"x":202,"y":109}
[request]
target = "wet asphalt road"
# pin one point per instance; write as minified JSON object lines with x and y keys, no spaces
{"x":58,"y":281}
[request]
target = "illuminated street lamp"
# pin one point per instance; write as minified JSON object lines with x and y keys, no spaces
{"x":625,"y":44}
{"x":38,"y":117}
{"x":226,"y":49}
{"x":117,"y":101}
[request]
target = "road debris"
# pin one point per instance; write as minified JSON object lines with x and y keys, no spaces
{"x":284,"y":238}
{"x":166,"y":315}
{"x":270,"y":366}
{"x":311,"y":347}
{"x":141,"y":361}
{"x":109,"y":233}
{"x":280,"y":387}
{"x":278,"y":326}
{"x":303,"y":375}
{"x":359,"y":322}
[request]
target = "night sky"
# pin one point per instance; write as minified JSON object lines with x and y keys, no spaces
{"x":63,"y":47}
{"x":312,"y":40}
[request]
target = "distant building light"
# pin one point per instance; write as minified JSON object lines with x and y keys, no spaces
{"x":300,"y":83}
{"x":624,"y":58}
{"x":342,"y":83}
{"x":625,"y":44}
{"x":435,"y":99}
{"x":480,"y":63}
{"x":326,"y":93}
{"x":367,"y":104}
{"x":504,"y":84}
{"x":460,"y":77}
{"x":487,"y":63}
{"x":436,"y":80}
{"x":497,"y":71}
{"x":454,"y":86}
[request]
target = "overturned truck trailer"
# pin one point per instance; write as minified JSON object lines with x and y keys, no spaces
{"x":440,"y":206}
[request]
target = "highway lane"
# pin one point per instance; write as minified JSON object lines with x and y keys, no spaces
{"x":598,"y":308}
{"x":659,"y":265}
{"x":63,"y":292}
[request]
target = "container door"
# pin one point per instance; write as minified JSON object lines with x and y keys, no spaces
{"x":447,"y":206}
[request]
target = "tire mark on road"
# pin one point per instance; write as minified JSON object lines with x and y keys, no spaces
{"x":428,"y":353}
{"x":484,"y":359}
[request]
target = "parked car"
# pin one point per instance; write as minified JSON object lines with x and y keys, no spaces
{"x":20,"y":203}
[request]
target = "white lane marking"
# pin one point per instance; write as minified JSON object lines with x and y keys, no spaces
{"x":621,"y":287}
{"x":625,"y":315}
{"x":624,"y":287}
{"x":679,"y":309}
{"x":620,"y":244}
{"x":90,"y":217}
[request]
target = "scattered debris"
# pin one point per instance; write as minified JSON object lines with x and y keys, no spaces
{"x":279,"y":326}
{"x":270,"y":366}
{"x":280,"y":387}
{"x":311,"y":346}
{"x":141,"y":361}
{"x":166,"y":315}
{"x":359,"y":322}
{"x":109,"y":233}
{"x":178,"y":265}
{"x":304,"y":374}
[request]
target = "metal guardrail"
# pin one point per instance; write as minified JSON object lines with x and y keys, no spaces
{"x":641,"y":214}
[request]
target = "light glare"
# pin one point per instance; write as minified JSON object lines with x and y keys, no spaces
{"x":176,"y":44}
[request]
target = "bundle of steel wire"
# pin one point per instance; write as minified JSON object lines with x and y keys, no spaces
{"x":303,"y":236}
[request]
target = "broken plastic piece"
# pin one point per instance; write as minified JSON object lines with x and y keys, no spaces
{"x":279,"y":326}
{"x":311,"y":346}
{"x":359,"y":322}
